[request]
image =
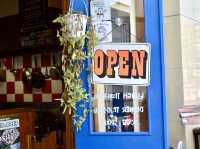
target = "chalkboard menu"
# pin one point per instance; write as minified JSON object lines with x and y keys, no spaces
{"x":37,"y":29}
{"x":33,"y":14}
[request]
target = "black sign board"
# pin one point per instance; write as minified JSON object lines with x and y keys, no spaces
{"x":33,"y":14}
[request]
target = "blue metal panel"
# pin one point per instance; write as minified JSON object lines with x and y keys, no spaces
{"x":157,"y":136}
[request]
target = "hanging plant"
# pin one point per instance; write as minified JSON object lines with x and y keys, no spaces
{"x":74,"y":37}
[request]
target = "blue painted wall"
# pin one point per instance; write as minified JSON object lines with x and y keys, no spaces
{"x":157,"y":136}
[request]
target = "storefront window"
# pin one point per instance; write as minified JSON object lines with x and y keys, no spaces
{"x":130,"y":14}
{"x":119,"y":108}
{"x":118,"y":20}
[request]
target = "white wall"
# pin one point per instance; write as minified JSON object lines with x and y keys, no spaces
{"x":175,"y":97}
{"x":190,"y":34}
{"x":182,"y":42}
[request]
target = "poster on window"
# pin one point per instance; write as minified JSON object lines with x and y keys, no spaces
{"x":101,"y":18}
{"x":9,"y":132}
{"x":122,"y":64}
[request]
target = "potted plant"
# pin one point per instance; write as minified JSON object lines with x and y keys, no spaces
{"x":74,"y":38}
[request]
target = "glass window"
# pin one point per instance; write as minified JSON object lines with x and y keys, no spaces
{"x":118,"y":20}
{"x":119,"y":108}
{"x":127,"y":20}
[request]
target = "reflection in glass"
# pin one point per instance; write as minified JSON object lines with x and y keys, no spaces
{"x":118,"y":108}
{"x":121,"y":108}
{"x":131,"y":16}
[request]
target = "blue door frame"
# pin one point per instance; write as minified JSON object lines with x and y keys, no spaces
{"x":156,"y":138}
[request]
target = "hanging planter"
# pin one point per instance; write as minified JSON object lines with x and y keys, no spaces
{"x":74,"y":37}
{"x":76,"y":24}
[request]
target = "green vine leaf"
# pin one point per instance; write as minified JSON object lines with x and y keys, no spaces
{"x":73,"y":40}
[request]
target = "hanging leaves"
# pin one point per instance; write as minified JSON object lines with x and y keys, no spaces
{"x":74,"y":38}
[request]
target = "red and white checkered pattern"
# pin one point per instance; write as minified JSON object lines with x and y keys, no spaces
{"x":14,"y":90}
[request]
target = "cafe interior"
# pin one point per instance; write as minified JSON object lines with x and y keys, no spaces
{"x":28,"y":105}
